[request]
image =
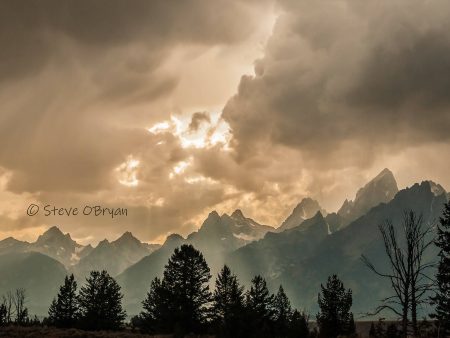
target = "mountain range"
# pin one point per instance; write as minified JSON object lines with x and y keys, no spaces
{"x":300,"y":253}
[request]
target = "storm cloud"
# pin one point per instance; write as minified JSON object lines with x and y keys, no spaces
{"x":172,"y":109}
{"x":346,"y":75}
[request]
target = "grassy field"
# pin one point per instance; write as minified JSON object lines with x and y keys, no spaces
{"x":362,"y":328}
{"x":39,"y":332}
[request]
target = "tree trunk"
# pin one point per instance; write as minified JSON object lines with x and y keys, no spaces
{"x":405,"y":310}
{"x":405,"y":323}
{"x":414,"y":312}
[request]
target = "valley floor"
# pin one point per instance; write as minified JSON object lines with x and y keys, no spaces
{"x":50,"y":332}
{"x":362,"y":329}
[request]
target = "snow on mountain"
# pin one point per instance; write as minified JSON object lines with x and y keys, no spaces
{"x":52,"y":243}
{"x":114,"y":256}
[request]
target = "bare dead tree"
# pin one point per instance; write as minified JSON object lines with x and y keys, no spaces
{"x":19,"y":305}
{"x":7,"y":300}
{"x":419,"y":238}
{"x":399,"y":275}
{"x":407,"y":273}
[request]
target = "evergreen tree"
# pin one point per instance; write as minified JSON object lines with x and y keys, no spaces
{"x":156,"y":315}
{"x":185,"y":281}
{"x":228,"y":305}
{"x":3,"y":314}
{"x":64,"y":310}
{"x":335,"y":302}
{"x":282,"y":313}
{"x":100,"y":303}
{"x":259,"y":304}
{"x":298,"y":326}
{"x":351,"y":328}
{"x":442,"y":297}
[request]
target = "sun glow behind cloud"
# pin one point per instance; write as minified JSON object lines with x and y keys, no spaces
{"x":127,"y":172}
{"x":208,"y":134}
{"x":179,"y":168}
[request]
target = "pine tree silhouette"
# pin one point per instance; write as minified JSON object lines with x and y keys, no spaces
{"x":185,"y":281}
{"x":298,"y":326}
{"x":64,"y":310}
{"x":156,"y":317}
{"x":335,"y":301}
{"x":259,"y":304}
{"x":442,"y":297}
{"x":282,"y":313}
{"x":228,"y":305}
{"x":3,"y":314}
{"x":101,"y":303}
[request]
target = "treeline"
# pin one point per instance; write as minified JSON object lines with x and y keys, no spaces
{"x":181,"y":302}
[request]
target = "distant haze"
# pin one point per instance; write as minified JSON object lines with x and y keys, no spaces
{"x":175,"y":109}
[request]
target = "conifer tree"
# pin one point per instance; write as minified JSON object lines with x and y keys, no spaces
{"x":335,"y":302}
{"x":282,"y":312}
{"x":64,"y":310}
{"x":185,"y":281}
{"x":156,"y":315}
{"x":298,"y":326}
{"x":100,"y":303}
{"x":442,"y":296}
{"x":228,"y":304}
{"x":3,"y":314}
{"x":259,"y":304}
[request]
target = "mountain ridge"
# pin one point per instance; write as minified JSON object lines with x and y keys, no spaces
{"x":300,"y":257}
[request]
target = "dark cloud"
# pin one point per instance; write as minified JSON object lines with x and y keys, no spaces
{"x":32,"y":33}
{"x":73,"y":74}
{"x":343,"y":89}
{"x":347,"y":75}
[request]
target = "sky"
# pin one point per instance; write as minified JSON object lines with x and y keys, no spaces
{"x":172,"y":109}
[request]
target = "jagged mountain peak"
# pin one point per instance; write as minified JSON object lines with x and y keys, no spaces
{"x":436,"y":188}
{"x":384,"y":181}
{"x":10,"y":240}
{"x":54,"y":234}
{"x":425,"y":187}
{"x":316,"y":220}
{"x":381,"y":189}
{"x":126,"y":237}
{"x":318,"y":216}
{"x":12,"y":243}
{"x":173,"y":238}
{"x":384,"y":173}
{"x":306,"y":209}
{"x":211,"y":221}
{"x":213,"y":217}
{"x":238,"y":214}
{"x":52,"y":231}
{"x":240,"y":219}
{"x":104,"y":242}
{"x":213,"y":214}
